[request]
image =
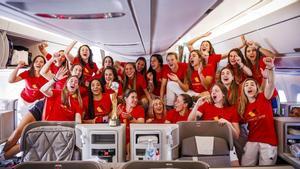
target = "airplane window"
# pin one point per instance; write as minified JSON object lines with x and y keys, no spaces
{"x":298,"y":98}
{"x":282,"y":96}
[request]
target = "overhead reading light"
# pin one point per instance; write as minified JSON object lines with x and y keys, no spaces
{"x":107,"y":15}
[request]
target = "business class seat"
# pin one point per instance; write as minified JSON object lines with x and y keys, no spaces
{"x":165,"y":164}
{"x":220,"y":137}
{"x":48,"y":141}
{"x":59,"y":165}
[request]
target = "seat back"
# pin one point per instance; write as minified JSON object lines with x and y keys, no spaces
{"x":48,"y":141}
{"x":165,"y":164}
{"x":221,"y":145}
{"x":59,"y":165}
{"x":205,"y":128}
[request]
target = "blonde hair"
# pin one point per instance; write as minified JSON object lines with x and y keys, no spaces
{"x":244,"y":99}
{"x":152,"y":113}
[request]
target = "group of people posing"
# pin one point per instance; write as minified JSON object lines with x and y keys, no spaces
{"x":62,"y":87}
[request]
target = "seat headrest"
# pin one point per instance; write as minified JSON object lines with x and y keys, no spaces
{"x":190,"y":147}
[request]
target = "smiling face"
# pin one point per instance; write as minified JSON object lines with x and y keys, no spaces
{"x":38,"y":63}
{"x":72,"y":84}
{"x":194,"y":59}
{"x":60,"y":59}
{"x":205,"y":46}
{"x":250,"y":88}
{"x":108,"y":75}
{"x":172,"y":61}
{"x":129,"y":70}
{"x":179,"y":104}
{"x":158,"y":106}
{"x":251,"y":53}
{"x":226,"y":76}
{"x":216,"y":94}
{"x":232,"y":57}
{"x":140,"y":65}
{"x":84,"y":52}
{"x":96,"y":87}
{"x":131,"y":100}
{"x":154,"y":63}
{"x":107,"y":62}
{"x":77,"y":71}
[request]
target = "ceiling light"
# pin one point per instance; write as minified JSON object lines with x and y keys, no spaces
{"x":249,"y":16}
{"x":107,"y":15}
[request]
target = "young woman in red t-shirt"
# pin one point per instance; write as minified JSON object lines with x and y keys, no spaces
{"x":181,"y":109}
{"x":174,"y":79}
{"x":219,"y":110}
{"x":33,"y":79}
{"x":255,"y":108}
{"x":107,"y":61}
{"x":228,"y":80}
{"x":200,"y":76}
{"x":157,"y":111}
{"x":85,"y":58}
{"x":109,"y":76}
{"x":97,"y":105}
{"x":237,"y":63}
{"x":65,"y":104}
{"x":52,"y":66}
{"x":156,"y":69}
{"x":134,"y":80}
{"x":130,"y":112}
{"x":254,"y":55}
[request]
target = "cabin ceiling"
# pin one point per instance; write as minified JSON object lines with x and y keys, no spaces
{"x":147,"y":26}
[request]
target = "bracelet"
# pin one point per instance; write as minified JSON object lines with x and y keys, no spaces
{"x":130,"y":118}
{"x":271,"y":69}
{"x":55,"y":79}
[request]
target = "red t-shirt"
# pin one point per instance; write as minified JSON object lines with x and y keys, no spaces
{"x":110,"y":91}
{"x":31,"y":92}
{"x":159,"y":77}
{"x":56,"y":111}
{"x":181,"y":72}
{"x":238,"y":77}
{"x":83,"y":91}
{"x":213,"y":60}
{"x":259,"y":116}
{"x":211,"y":112}
{"x":102,"y":108}
{"x":256,"y":73}
{"x":140,"y":85}
{"x":173,"y":116}
{"x":59,"y":85}
{"x":52,"y":68}
{"x":196,"y":81}
{"x":87,"y":70}
{"x":137,"y":112}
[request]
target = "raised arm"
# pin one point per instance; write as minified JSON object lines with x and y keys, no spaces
{"x":45,"y":71}
{"x":269,"y":83}
{"x":183,"y":85}
{"x":245,"y":68}
{"x":192,"y":41}
{"x":13,"y":77}
{"x":47,"y":88}
{"x":42,"y":49}
{"x":68,"y":55}
{"x":264,"y":51}
{"x":194,"y":113}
